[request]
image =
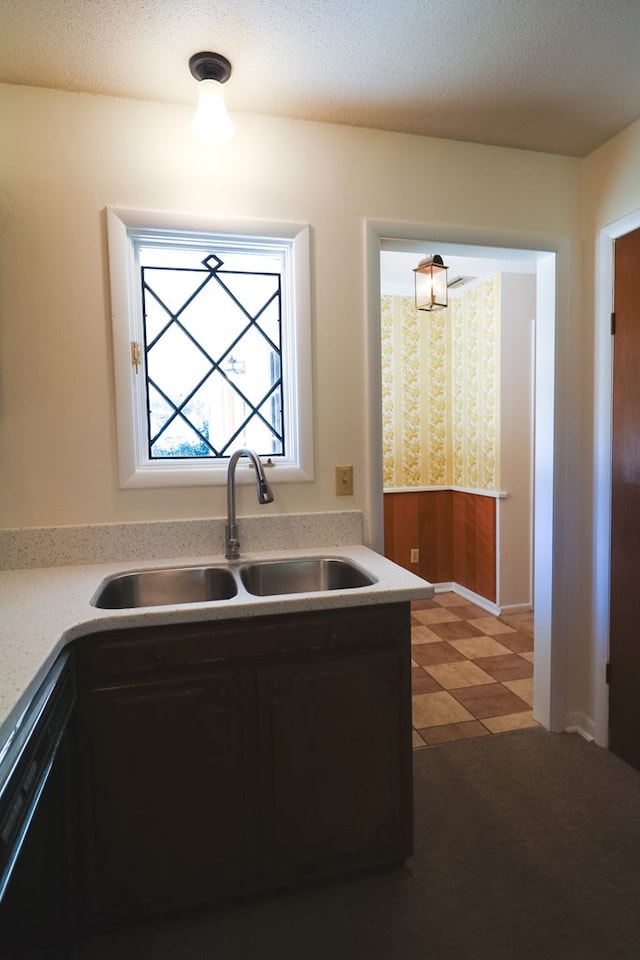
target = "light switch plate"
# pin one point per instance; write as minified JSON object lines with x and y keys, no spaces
{"x":344,"y":481}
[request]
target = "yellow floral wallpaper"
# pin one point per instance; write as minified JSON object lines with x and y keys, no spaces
{"x":440,"y":390}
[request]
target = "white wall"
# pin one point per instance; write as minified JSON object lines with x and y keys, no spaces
{"x":517,"y":316}
{"x":64,"y":157}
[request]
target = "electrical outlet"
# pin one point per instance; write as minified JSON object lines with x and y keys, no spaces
{"x":415,"y":555}
{"x":344,"y":481}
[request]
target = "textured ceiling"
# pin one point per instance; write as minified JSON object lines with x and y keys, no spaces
{"x":560,"y":76}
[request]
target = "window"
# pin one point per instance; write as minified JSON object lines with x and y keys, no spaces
{"x":211,"y":332}
{"x":211,"y":350}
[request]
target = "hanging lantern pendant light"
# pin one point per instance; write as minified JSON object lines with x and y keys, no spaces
{"x":431,"y":283}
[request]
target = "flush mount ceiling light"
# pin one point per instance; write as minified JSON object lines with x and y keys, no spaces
{"x":431,"y":283}
{"x":211,"y":122}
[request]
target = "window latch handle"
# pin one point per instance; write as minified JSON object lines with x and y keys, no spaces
{"x":135,"y":355}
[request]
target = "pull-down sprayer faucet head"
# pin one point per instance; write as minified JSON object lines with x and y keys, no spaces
{"x":265,"y":493}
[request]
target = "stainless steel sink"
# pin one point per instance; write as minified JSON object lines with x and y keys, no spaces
{"x":271,"y":577}
{"x":176,"y":585}
{"x":150,"y":588}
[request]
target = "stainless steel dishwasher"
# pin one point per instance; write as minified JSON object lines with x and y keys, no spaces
{"x":35,"y":901}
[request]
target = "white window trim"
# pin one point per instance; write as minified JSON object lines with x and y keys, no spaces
{"x":135,"y":469}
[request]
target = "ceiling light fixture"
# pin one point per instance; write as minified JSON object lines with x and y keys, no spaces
{"x":211,"y":122}
{"x":431,"y":283}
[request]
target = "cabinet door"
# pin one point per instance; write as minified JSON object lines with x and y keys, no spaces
{"x":335,"y":764}
{"x":166,"y":784}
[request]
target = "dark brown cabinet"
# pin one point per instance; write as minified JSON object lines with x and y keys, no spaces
{"x":225,"y":758}
{"x":331,"y":764}
{"x":164,"y":808}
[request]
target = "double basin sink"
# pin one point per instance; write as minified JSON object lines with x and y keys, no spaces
{"x":267,"y":578}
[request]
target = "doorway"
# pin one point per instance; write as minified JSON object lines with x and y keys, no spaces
{"x":550,"y":715}
{"x":624,"y":651}
{"x":603,"y":479}
{"x":458,"y":431}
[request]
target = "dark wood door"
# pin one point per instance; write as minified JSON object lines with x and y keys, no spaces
{"x":624,"y":689}
{"x":168,"y":787}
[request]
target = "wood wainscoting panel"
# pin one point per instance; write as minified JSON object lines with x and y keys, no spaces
{"x":474,"y":543}
{"x":487,"y":548}
{"x":436,"y":542}
{"x":402,"y":528}
{"x":454,"y":531}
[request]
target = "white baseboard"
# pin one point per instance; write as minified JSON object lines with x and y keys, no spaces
{"x":516,"y":608}
{"x":487,"y":605}
{"x":579,"y":723}
{"x":444,"y":587}
{"x":468,"y":595}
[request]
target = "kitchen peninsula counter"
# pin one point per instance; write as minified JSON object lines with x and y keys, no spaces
{"x":45,"y":609}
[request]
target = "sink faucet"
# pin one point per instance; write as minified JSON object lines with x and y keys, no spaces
{"x":265,"y":495}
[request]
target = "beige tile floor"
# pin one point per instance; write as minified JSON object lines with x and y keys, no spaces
{"x":472,"y":673}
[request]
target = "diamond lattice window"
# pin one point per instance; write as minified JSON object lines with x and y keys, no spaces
{"x":212,"y":345}
{"x":211,"y":324}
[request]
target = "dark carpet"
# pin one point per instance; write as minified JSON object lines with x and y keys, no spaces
{"x":527,"y":847}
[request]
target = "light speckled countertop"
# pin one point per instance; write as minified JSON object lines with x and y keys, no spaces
{"x":44,"y":609}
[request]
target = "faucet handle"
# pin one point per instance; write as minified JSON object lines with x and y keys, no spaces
{"x":231,"y":542}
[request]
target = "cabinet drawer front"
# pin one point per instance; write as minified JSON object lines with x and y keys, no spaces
{"x":152,"y":649}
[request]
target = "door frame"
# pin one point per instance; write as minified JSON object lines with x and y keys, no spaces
{"x":604,"y":298}
{"x":549,"y":707}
